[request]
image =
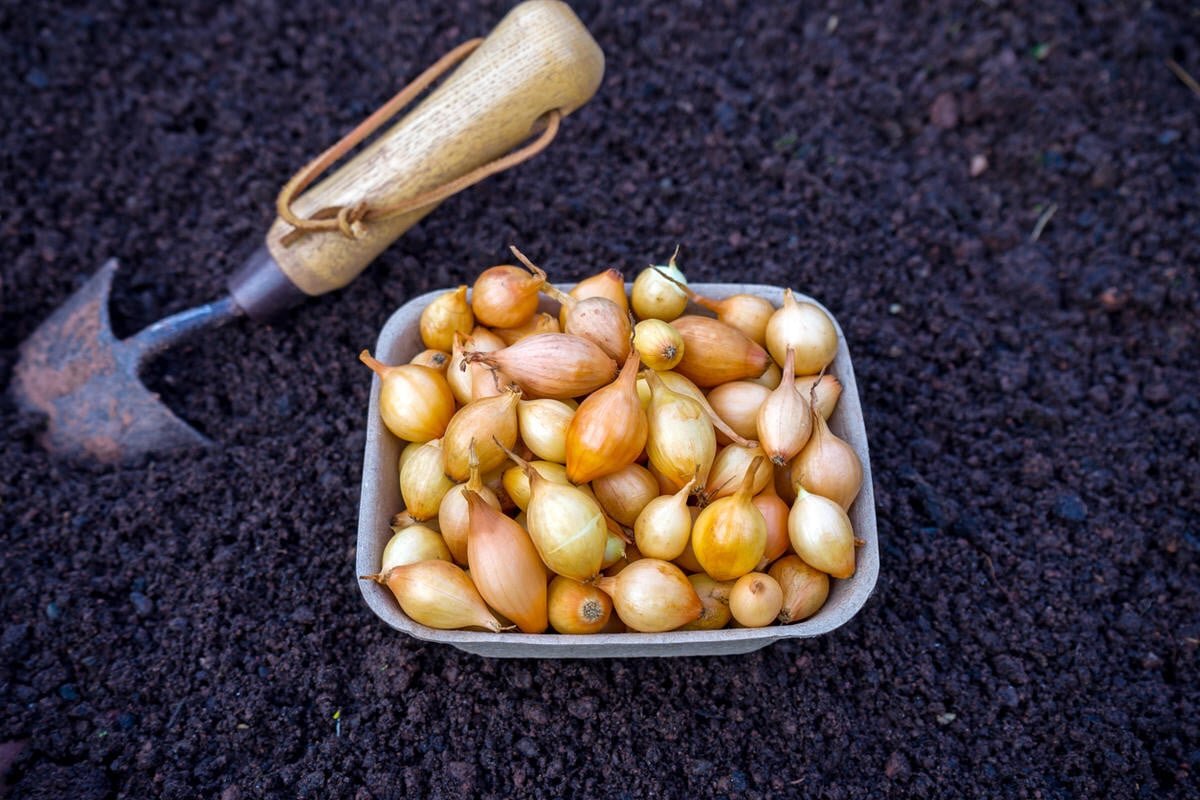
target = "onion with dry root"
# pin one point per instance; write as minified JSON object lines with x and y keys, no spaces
{"x":578,"y":607}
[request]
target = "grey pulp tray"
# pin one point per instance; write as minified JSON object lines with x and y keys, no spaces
{"x":400,"y":340}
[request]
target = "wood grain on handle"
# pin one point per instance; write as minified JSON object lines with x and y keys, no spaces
{"x":539,"y":58}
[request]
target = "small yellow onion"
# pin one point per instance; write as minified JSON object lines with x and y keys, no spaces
{"x":434,"y":359}
{"x":505,"y":566}
{"x":556,"y":365}
{"x":632,"y":554}
{"x":828,"y":466}
{"x":608,"y":431}
{"x":805,"y":328}
{"x":439,"y":595}
{"x":775,"y":514}
{"x":681,"y":443}
{"x":643,"y":389}
{"x":415,"y":402}
{"x":730,"y":466}
{"x":784,"y":420}
{"x":624,"y":493}
{"x":412,"y":544}
{"x":614,"y":549}
{"x":566,"y":525}
{"x":771,"y":377}
{"x":407,"y":453}
{"x":678,"y":383}
{"x":730,"y":535}
{"x":453,"y":516}
{"x":595,"y":318}
{"x":423,"y":484}
{"x":609,"y":284}
{"x":538,"y":323}
{"x":716,"y":353}
{"x":577,"y":607}
{"x":543,"y":425}
{"x":658,"y":344}
{"x":823,"y":392}
{"x":656,"y":293}
{"x":755,"y":600}
{"x":516,"y":481}
{"x":663,"y":527}
{"x":448,"y":314}
{"x":403,"y":519}
{"x":651,"y":595}
{"x":506,"y":296}
{"x":737,"y":403}
{"x":486,"y":422}
{"x":804,"y":589}
{"x":714,"y":596}
{"x":821,"y":534}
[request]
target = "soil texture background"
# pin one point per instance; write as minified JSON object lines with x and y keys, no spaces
{"x":1000,"y":206}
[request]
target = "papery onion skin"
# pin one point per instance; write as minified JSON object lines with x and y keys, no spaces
{"x":652,"y":596}
{"x":454,"y":516}
{"x":567,"y":526}
{"x":728,"y":469}
{"x":577,"y":608}
{"x":755,"y":600}
{"x":805,"y":589}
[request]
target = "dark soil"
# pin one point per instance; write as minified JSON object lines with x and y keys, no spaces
{"x":192,"y":627}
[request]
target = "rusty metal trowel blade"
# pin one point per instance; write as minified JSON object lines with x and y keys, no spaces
{"x":74,"y":370}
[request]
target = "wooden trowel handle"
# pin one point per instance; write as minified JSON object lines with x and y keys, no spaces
{"x":538,"y":59}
